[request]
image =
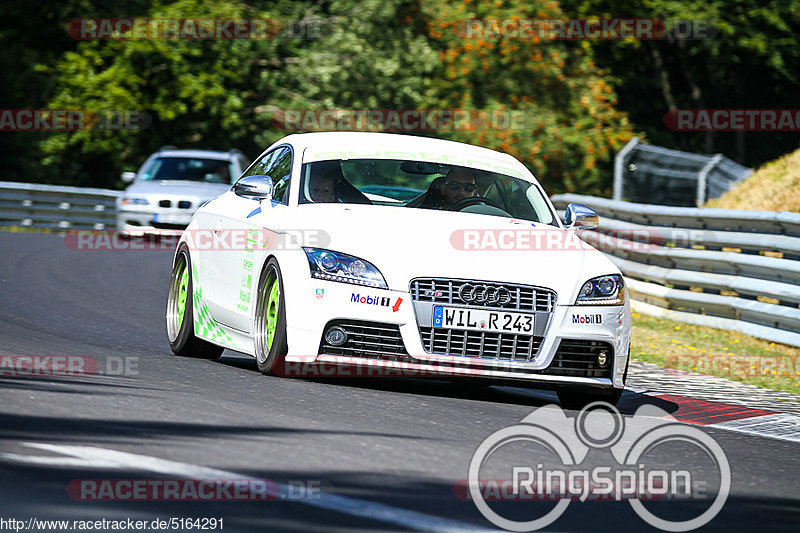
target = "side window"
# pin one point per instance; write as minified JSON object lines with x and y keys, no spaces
{"x":277,"y":165}
{"x":280,"y":170}
{"x":260,"y":167}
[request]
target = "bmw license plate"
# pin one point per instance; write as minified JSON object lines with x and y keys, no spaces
{"x":482,"y":320}
{"x":171,"y":219}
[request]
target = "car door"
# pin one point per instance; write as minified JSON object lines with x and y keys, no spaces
{"x":232,"y":295}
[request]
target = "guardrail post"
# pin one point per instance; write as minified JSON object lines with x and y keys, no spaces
{"x":619,"y":166}
{"x":702,"y":179}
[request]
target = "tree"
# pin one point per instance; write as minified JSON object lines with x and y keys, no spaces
{"x":397,"y":54}
{"x":749,"y":59}
{"x":197,"y":93}
{"x":571,"y":128}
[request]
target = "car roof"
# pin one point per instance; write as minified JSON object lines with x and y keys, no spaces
{"x":228,"y":156}
{"x":361,"y":141}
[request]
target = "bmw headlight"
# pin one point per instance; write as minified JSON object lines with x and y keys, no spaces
{"x":336,"y":266}
{"x":131,"y":200}
{"x":603,"y":290}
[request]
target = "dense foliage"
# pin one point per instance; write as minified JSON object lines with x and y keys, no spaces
{"x":392,"y":54}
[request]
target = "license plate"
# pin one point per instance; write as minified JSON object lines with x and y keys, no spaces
{"x":171,"y":219}
{"x":483,"y":320}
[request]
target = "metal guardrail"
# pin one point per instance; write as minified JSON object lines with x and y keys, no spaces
{"x":725,"y":268}
{"x":720,"y":267}
{"x":47,"y":206}
{"x":652,"y":174}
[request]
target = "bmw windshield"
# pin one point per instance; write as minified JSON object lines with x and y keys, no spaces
{"x":188,"y":169}
{"x":423,"y":185}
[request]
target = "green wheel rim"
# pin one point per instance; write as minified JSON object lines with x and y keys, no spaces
{"x":273,"y":306}
{"x":183,"y":284}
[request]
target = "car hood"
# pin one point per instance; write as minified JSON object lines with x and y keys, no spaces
{"x":193,"y":189}
{"x":406,"y":243}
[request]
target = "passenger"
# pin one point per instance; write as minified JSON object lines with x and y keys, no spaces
{"x":327,"y":184}
{"x":321,"y":188}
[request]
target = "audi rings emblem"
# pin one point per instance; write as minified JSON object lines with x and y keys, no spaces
{"x":484,"y":294}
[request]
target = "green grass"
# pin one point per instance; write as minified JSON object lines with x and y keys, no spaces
{"x":27,"y":229}
{"x":715,"y":352}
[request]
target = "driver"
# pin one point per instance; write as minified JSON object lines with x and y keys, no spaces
{"x":459,"y":184}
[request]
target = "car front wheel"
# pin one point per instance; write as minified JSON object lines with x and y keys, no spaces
{"x":270,"y":320}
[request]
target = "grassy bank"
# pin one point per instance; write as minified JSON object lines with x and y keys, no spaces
{"x":716,"y":352}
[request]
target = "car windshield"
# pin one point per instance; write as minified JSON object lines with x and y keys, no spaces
{"x":189,"y":169}
{"x":424,"y":185}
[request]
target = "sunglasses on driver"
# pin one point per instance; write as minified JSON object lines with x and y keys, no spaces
{"x":456,"y":185}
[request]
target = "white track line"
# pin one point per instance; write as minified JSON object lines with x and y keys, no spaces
{"x":92,"y":457}
{"x":782,"y":426}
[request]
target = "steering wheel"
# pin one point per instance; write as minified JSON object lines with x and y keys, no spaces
{"x":465,"y":202}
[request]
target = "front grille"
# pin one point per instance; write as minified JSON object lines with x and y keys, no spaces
{"x":578,"y":358}
{"x":366,"y":339}
{"x":184,"y":204}
{"x":523,"y":298}
{"x":484,"y":344}
{"x":164,"y":203}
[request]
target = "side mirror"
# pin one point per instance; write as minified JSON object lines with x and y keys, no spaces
{"x":580,"y":216}
{"x":128,"y":177}
{"x":254,"y":187}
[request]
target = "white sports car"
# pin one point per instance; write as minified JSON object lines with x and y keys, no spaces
{"x":394,"y":251}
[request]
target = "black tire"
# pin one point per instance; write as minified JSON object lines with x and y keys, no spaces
{"x":270,"y":358}
{"x":578,"y":400}
{"x":182,"y":340}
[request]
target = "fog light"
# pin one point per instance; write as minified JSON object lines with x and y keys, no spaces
{"x":335,"y":336}
{"x":602,"y":358}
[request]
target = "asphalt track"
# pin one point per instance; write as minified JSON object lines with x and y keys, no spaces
{"x":386,"y":454}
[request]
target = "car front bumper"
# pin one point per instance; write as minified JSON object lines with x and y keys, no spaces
{"x":149,"y":220}
{"x":326,"y":303}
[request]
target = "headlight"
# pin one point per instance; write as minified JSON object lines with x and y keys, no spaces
{"x":134,"y":201}
{"x":336,"y":266}
{"x":603,"y":290}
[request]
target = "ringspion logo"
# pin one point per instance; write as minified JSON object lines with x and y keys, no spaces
{"x":625,"y":467}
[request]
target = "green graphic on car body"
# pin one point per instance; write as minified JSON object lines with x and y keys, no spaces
{"x":204,"y":324}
